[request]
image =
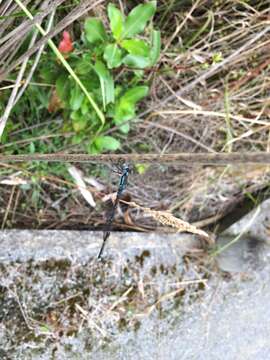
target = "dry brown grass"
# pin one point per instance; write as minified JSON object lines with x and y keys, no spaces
{"x":167,"y":219}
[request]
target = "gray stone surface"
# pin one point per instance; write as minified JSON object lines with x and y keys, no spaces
{"x":228,"y":321}
{"x":259,"y":220}
{"x":22,"y":245}
{"x":249,"y":239}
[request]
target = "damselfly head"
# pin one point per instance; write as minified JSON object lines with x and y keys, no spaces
{"x":125,"y":167}
{"x":121,"y":168}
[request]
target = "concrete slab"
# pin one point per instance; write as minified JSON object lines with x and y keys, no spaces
{"x":144,"y":301}
{"x":22,"y":245}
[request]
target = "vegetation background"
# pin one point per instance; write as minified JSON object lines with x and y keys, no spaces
{"x":217,"y":50}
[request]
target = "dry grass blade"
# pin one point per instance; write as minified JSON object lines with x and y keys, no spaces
{"x":185,"y":136}
{"x":8,"y":207}
{"x":78,"y":178}
{"x":166,"y":218}
{"x":178,"y":29}
{"x":6,"y":10}
{"x":70,"y":18}
{"x":208,"y":73}
{"x":161,"y":299}
{"x":23,"y":29}
{"x":91,"y":322}
{"x":14,"y":94}
{"x":35,"y":63}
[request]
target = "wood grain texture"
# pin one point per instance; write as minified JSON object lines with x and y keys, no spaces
{"x":217,"y":159}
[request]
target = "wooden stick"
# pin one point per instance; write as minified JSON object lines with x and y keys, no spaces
{"x":179,"y":158}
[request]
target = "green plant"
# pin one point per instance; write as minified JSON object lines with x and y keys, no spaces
{"x":110,"y":64}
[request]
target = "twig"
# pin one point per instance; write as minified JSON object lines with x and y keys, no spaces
{"x":216,"y":159}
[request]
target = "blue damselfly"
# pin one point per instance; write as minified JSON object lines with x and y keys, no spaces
{"x":124,"y":172}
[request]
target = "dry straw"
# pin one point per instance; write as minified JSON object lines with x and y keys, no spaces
{"x":166,"y":218}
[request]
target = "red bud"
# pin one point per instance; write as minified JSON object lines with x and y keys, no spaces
{"x":65,"y":45}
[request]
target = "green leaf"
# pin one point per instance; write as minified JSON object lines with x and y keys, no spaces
{"x":136,"y":47}
{"x":136,"y":61}
{"x":77,"y":139}
{"x":155,"y":49}
{"x":136,"y":94}
{"x":32,"y":148}
{"x":62,"y":87}
{"x":126,"y":106}
{"x":141,"y":168}
{"x":101,"y":70}
{"x":109,"y":88}
{"x":124,"y":128}
{"x":91,"y":81}
{"x":92,"y":149}
{"x":106,"y":143}
{"x":137,"y":19}
{"x":85,"y":107}
{"x":76,"y":98}
{"x":116,"y":21}
{"x":124,"y":111}
{"x":75,"y":115}
{"x":106,"y":83}
{"x":113,"y":56}
{"x":94,"y":30}
{"x":44,"y":328}
{"x":79,"y":122}
{"x":84,"y":66}
{"x":50,"y":72}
